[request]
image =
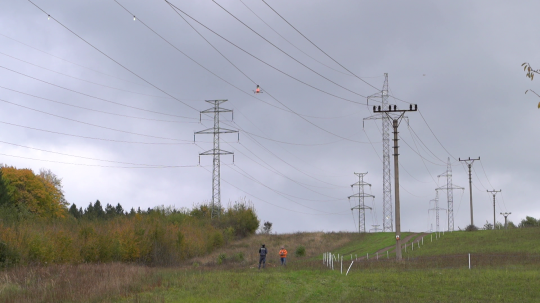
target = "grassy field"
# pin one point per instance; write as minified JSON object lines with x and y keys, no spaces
{"x":505,"y":268}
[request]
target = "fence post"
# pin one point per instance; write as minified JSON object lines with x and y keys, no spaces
{"x":377,"y":255}
{"x":341,"y":264}
{"x":422,"y":240}
{"x":431,"y":237}
{"x":351,"y":257}
{"x":356,"y":256}
{"x":349,"y":268}
{"x":469,"y":261}
{"x":412,"y":245}
{"x":386,"y":254}
{"x":367,"y":256}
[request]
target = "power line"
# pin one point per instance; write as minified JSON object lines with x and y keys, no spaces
{"x":103,"y":53}
{"x":317,"y":46}
{"x":291,"y":42}
{"x":80,"y":79}
{"x":89,"y":158}
{"x":94,"y":138}
{"x":90,"y":96}
{"x":95,"y":110}
{"x":94,"y":165}
{"x":44,"y":52}
{"x":90,"y":124}
{"x":285,"y":53}
{"x":260,"y":60}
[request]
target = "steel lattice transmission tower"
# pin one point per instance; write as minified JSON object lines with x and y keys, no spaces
{"x":449,"y":188}
{"x":216,"y":152}
{"x":436,"y":208}
{"x":387,"y":184}
{"x":361,"y":205}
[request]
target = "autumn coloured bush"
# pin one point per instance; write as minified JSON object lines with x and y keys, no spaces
{"x":159,"y":237}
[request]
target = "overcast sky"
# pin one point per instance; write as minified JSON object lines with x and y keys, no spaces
{"x":111,"y":107}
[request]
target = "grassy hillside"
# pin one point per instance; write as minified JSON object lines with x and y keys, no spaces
{"x":435,"y":272}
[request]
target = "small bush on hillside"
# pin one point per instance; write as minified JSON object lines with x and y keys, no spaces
{"x":300,"y":251}
{"x":471,"y":228}
{"x":221,"y":258}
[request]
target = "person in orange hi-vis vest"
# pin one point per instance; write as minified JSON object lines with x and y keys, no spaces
{"x":283,"y":255}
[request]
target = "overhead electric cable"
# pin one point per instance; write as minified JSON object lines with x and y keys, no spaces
{"x":318,"y":47}
{"x":90,"y":124}
{"x":90,"y":96}
{"x":260,"y":60}
{"x":95,"y":165}
{"x":285,"y":53}
{"x":124,"y":67}
{"x":225,"y":180}
{"x":89,"y":158}
{"x":258,"y":17}
{"x":67,"y":60}
{"x":95,"y":110}
{"x":94,"y":138}
{"x":80,"y":79}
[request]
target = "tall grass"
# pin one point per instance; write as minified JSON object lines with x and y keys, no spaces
{"x":157,"y":238}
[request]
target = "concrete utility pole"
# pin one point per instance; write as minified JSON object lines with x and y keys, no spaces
{"x":494,"y":192}
{"x":216,"y":152}
{"x":505,"y":217}
{"x":361,"y":206}
{"x":395,"y":123}
{"x":469,"y":164}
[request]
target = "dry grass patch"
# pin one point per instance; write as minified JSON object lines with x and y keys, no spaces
{"x":73,"y":283}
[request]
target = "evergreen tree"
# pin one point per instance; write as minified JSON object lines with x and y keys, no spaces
{"x":119,"y":210}
{"x":74,"y":211}
{"x":98,"y":209}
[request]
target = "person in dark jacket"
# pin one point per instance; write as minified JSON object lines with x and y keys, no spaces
{"x":262,"y":253}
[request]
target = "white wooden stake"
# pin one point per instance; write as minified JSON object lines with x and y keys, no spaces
{"x":431,"y":237}
{"x":386,"y":254}
{"x":367,"y":256}
{"x":349,"y":268}
{"x":422,"y":240}
{"x":469,"y":261}
{"x":341,"y":264}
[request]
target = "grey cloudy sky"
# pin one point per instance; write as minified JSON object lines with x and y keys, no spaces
{"x":458,"y":60}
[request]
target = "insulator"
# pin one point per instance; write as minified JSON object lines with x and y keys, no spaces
{"x":395,"y":107}
{"x":49,"y":17}
{"x":410,"y":106}
{"x":134,"y":19}
{"x":374,"y":108}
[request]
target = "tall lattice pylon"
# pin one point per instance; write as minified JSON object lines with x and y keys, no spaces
{"x":388,"y":220}
{"x":216,"y":152}
{"x":449,"y":188}
{"x":361,"y":205}
{"x":436,"y":208}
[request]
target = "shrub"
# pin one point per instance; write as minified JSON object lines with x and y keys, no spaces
{"x":8,"y":256}
{"x":300,"y":251}
{"x":221,"y":258}
{"x":471,"y":228}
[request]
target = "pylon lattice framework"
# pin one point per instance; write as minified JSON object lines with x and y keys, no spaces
{"x":388,"y":220}
{"x":361,"y":205}
{"x":436,"y":208}
{"x":449,"y":194}
{"x":215,"y":206}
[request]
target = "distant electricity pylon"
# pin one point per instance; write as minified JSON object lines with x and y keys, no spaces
{"x":388,"y":219}
{"x":396,"y":120}
{"x":449,"y":194}
{"x":375,"y":228}
{"x":361,"y":205}
{"x":494,"y":192}
{"x":505,"y":219}
{"x":436,"y":208}
{"x":216,"y":152}
{"x":469,"y":164}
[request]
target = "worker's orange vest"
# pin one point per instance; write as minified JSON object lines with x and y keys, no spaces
{"x":283,"y":253}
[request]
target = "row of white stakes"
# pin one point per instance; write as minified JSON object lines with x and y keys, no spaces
{"x":329,"y":258}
